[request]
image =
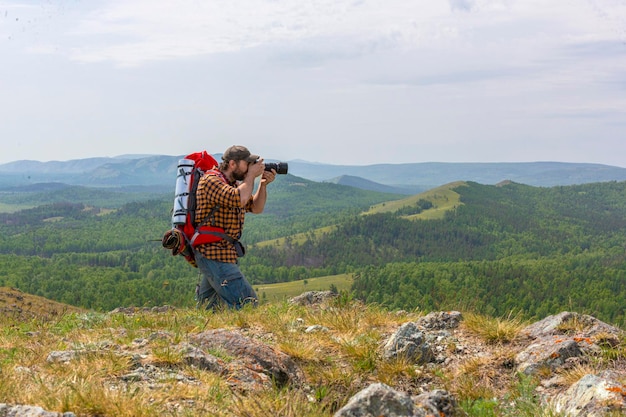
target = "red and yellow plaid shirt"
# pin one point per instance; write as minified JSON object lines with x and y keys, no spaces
{"x":218,"y":204}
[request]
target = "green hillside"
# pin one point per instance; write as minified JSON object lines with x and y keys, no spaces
{"x":515,"y":246}
{"x":441,"y":200}
{"x":81,"y":254}
{"x":283,"y":291}
{"x":492,"y":248}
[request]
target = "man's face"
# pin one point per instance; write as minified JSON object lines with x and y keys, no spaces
{"x":240,"y":171}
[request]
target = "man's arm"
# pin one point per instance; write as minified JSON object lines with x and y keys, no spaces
{"x":260,"y":197}
{"x":246,"y":186}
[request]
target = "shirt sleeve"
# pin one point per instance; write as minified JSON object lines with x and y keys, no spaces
{"x":248,"y":206}
{"x":217,"y":193}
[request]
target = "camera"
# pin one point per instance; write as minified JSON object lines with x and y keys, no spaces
{"x":280,"y":167}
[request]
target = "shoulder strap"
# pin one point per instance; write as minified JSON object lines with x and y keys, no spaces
{"x":211,"y":213}
{"x":199,"y":230}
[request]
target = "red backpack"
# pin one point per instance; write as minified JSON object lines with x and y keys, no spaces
{"x":186,"y":233}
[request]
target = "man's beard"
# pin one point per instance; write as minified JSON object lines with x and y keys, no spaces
{"x":238,"y":175}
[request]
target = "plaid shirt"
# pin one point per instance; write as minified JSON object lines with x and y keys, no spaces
{"x":214,"y":190}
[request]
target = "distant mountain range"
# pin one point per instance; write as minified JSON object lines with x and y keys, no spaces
{"x":158,"y":171}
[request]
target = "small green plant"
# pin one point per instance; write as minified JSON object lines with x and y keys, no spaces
{"x":523,"y":400}
{"x":613,"y":347}
{"x":166,"y":356}
{"x":480,"y":407}
{"x":362,"y":351}
{"x":344,"y":299}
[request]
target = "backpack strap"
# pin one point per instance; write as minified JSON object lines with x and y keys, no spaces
{"x":200,"y":231}
{"x":211,"y":214}
{"x":203,"y":228}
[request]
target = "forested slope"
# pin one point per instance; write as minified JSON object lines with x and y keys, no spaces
{"x":85,"y":256}
{"x":500,"y":248}
{"x":507,"y":247}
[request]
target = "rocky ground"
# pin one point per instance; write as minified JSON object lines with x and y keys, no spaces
{"x":579,"y":361}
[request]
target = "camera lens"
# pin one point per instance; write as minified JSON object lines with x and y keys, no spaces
{"x":280,"y":167}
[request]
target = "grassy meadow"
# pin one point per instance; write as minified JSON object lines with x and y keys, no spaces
{"x":284,"y":290}
{"x":443,"y":199}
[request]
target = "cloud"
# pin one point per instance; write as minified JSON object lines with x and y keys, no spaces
{"x":426,"y":78}
{"x":131,"y":33}
{"x":463,"y":5}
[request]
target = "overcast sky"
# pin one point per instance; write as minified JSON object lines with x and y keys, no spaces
{"x":352,"y":82}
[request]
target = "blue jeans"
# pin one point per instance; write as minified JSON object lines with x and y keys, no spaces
{"x":223,"y":283}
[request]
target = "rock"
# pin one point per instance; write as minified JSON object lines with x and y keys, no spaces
{"x":29,"y":411}
{"x":316,"y":328}
{"x":547,"y":326}
{"x":440,"y":320}
{"x":131,"y":310}
{"x":408,"y":342}
{"x":255,"y":355}
{"x":61,"y":356}
{"x":437,"y":403}
{"x":592,"y":396}
{"x":548,"y":352}
{"x":312,"y":297}
{"x":562,"y":337}
{"x":201,"y":359}
{"x":566,"y":322}
{"x":380,"y":400}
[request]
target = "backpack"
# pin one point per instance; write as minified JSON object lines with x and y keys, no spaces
{"x":186,"y":233}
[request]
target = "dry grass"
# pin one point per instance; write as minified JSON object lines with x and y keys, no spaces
{"x":101,"y":380}
{"x":574,"y":374}
{"x":339,"y":358}
{"x":474,"y":379}
{"x":397,"y":369}
{"x":573,"y":325}
{"x":285,"y":403}
{"x":17,"y":306}
{"x":494,"y":330}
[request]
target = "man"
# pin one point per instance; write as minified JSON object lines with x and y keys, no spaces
{"x":224,"y":195}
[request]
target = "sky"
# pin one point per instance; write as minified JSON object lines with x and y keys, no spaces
{"x":347,"y":82}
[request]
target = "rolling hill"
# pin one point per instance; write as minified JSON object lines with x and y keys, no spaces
{"x":530,"y":237}
{"x":411,"y":178}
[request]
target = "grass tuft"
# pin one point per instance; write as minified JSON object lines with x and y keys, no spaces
{"x":494,"y":330}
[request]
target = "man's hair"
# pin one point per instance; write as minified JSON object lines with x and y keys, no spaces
{"x":223,"y":166}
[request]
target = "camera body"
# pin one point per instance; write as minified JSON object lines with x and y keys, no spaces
{"x":279,"y":167}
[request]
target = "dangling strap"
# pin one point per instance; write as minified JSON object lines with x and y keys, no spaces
{"x":200,"y":231}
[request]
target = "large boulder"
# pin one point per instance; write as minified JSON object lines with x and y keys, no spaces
{"x":581,"y":325}
{"x":381,"y":400}
{"x":546,"y":353}
{"x":592,"y":396}
{"x":563,"y":338}
{"x":251,"y":354}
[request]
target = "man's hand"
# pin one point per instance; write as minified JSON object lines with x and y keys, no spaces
{"x":268,"y":177}
{"x":255,"y":169}
{"x":260,"y":196}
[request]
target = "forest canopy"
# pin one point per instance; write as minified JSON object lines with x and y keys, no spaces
{"x":512,"y":247}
